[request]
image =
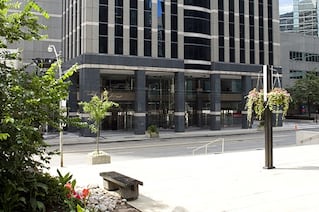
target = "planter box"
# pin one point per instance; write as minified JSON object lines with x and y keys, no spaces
{"x":153,"y":135}
{"x":101,"y":158}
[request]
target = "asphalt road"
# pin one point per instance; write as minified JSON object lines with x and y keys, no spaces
{"x":121,"y":151}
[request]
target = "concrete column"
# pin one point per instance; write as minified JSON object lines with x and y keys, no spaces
{"x":89,"y":84}
{"x":140,"y":103}
{"x":179,"y":115}
{"x":277,"y":117}
{"x":73,"y":101}
{"x":199,"y":102}
{"x":246,"y":87}
{"x":215,"y":99}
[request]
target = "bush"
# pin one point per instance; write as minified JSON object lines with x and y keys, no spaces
{"x":152,"y":129}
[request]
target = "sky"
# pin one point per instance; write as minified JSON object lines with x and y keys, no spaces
{"x":285,"y":6}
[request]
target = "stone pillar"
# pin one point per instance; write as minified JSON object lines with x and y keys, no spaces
{"x":277,"y":117}
{"x":73,"y":101}
{"x":140,"y":103}
{"x":199,"y":102}
{"x":179,"y":115}
{"x":246,"y":87}
{"x":215,"y":99}
{"x":89,"y":84}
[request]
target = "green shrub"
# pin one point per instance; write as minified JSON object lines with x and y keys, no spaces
{"x":152,"y":129}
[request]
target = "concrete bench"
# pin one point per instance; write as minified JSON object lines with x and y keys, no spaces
{"x":127,"y":187}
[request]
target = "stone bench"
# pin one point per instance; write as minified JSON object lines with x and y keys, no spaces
{"x":127,"y":187}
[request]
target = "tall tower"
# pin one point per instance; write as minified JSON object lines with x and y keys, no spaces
{"x":306,"y":17}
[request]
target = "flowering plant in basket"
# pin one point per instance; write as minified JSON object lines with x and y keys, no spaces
{"x":255,"y":102}
{"x":276,"y":98}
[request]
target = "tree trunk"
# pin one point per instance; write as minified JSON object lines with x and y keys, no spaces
{"x":98,"y":138}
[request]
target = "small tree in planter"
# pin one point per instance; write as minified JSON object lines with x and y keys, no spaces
{"x":97,"y":109}
{"x":152,"y":131}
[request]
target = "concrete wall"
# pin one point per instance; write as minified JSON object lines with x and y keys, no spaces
{"x":299,"y":43}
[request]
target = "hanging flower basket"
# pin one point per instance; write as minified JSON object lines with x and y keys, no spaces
{"x":277,"y":98}
{"x":255,"y":103}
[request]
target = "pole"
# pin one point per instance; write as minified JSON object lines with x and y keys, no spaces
{"x":60,"y":106}
{"x":50,"y":48}
{"x":268,"y":120}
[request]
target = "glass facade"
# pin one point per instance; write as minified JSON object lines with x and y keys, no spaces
{"x":144,"y":28}
{"x":251,"y":32}
{"x":103,"y":26}
{"x":242,"y":54}
{"x":197,"y":48}
{"x":221,"y":31}
{"x":148,"y":28}
{"x":174,"y":29}
{"x":133,"y":27}
{"x":261,"y":31}
{"x":161,"y":28}
{"x":231,"y":31}
{"x":119,"y":27}
{"x":270,"y":34}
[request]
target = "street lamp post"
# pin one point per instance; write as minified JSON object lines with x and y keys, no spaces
{"x":50,"y":49}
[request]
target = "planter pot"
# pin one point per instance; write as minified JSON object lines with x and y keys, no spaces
{"x":99,"y":158}
{"x":153,"y":135}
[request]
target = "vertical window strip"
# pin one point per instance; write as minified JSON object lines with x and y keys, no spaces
{"x":221,"y":45}
{"x":133,"y":27}
{"x":148,"y":28}
{"x":242,"y":54}
{"x":103,"y":26}
{"x":161,"y":28}
{"x":118,"y":27}
{"x":174,"y":29}
{"x":251,"y":32}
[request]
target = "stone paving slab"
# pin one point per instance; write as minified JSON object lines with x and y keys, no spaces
{"x":232,"y":181}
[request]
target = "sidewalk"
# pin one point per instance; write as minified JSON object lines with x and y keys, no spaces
{"x":218,"y":182}
{"x":119,"y":136}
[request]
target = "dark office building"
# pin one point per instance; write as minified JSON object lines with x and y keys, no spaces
{"x":173,"y":63}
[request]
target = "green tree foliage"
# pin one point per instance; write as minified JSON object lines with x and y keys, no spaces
{"x":27,"y":102}
{"x":306,"y":87}
{"x":305,"y":90}
{"x":97,"y":109}
{"x":21,"y":24}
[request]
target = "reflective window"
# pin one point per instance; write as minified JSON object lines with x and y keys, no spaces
{"x":261,"y":31}
{"x":118,"y":45}
{"x":119,"y":27}
{"x":133,"y":47}
{"x":251,"y":32}
{"x":174,"y":28}
{"x":197,"y":48}
{"x":196,"y":25}
{"x":161,"y":28}
{"x":221,"y":39}
{"x":133,"y":32}
{"x":200,"y":3}
{"x":242,"y":55}
{"x":148,"y":28}
{"x":103,"y":26}
{"x":133,"y":17}
{"x":133,"y":27}
{"x":147,"y":48}
{"x":133,"y":4}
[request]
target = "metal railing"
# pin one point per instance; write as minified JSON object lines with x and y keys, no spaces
{"x":212,"y":142}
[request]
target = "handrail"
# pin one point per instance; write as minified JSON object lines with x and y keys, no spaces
{"x":212,"y":142}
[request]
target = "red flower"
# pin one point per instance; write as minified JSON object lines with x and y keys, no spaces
{"x":68,"y":186}
{"x":77,"y":195}
{"x":85,"y":192}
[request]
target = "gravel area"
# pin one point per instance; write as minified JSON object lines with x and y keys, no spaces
{"x":101,"y":200}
